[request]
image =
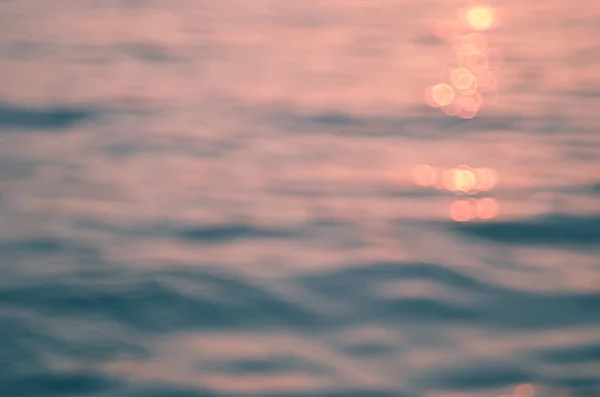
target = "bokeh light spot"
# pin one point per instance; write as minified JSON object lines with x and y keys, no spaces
{"x":443,"y":95}
{"x":424,"y":175}
{"x":464,"y":179}
{"x":463,"y":79}
{"x":462,"y":211}
{"x":487,"y":179}
{"x":480,"y":17}
{"x":461,"y":179}
{"x":473,"y":59}
{"x":487,"y":208}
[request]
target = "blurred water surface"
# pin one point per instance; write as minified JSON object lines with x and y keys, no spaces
{"x":214,"y":198}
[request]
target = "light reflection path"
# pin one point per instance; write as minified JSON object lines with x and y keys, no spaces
{"x":273,"y":142}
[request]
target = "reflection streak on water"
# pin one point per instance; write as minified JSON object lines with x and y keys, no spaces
{"x":459,"y":93}
{"x":462,"y":180}
{"x":238,"y":193}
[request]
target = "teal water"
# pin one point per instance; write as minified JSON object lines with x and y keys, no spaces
{"x":202,"y":198}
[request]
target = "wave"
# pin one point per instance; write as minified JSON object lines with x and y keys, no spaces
{"x":570,"y":230}
{"x":43,"y":118}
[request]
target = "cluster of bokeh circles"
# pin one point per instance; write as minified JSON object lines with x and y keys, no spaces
{"x":464,"y":181}
{"x":461,"y":179}
{"x":460,"y":93}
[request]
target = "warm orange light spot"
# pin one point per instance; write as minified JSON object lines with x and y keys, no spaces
{"x":459,"y":179}
{"x":464,"y":179}
{"x":442,"y":94}
{"x":480,"y":17}
{"x":463,"y":79}
{"x":424,"y":175}
{"x":524,"y":390}
{"x":487,"y":208}
{"x":447,"y":31}
{"x":462,"y":211}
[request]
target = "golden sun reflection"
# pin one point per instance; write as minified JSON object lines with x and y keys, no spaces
{"x":462,"y":180}
{"x":459,"y":94}
{"x":480,"y":17}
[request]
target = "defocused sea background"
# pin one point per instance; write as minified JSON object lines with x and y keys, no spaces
{"x":216,"y":198}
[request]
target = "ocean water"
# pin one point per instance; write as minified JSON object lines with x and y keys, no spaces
{"x":216,"y":198}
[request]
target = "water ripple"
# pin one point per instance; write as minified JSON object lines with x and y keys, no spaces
{"x":547,"y":230}
{"x":49,"y":118}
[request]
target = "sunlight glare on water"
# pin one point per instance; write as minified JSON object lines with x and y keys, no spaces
{"x":479,"y":17}
{"x":462,"y":98}
{"x":299,"y":198}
